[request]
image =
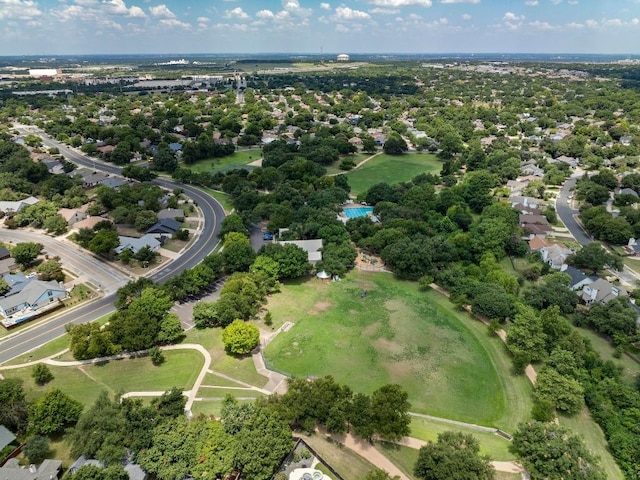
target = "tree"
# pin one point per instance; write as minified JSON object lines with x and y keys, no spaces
{"x":50,"y":270}
{"x":156,"y":356}
{"x":389,"y":412}
{"x":13,"y":413}
{"x":53,"y":412}
{"x":145,"y":219}
{"x":171,"y":403}
{"x":41,"y":373}
{"x":104,"y":242}
{"x":594,"y":257}
{"x":562,"y":391}
{"x":26,"y":252}
{"x":292,"y":260}
{"x":395,"y":145}
{"x":171,"y":330}
{"x":36,"y":449}
{"x":526,"y":338}
{"x":454,"y":455}
{"x":551,"y":451}
{"x":56,"y":225}
{"x":237,"y":254}
{"x":240,"y":337}
{"x":232,"y":223}
{"x":205,"y":314}
{"x":378,"y":474}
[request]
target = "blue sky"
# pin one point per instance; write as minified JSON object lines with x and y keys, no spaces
{"x":50,"y":27}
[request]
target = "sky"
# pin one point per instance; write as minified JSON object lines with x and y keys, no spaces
{"x":56,"y":27}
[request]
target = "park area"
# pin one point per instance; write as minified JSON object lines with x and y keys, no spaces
{"x":392,"y":169}
{"x":239,"y":159}
{"x":444,"y":359}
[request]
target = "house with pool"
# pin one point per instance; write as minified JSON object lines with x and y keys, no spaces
{"x":354,"y":210}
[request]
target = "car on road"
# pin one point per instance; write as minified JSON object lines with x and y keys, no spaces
{"x":267,"y":236}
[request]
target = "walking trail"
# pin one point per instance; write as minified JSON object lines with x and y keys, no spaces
{"x":358,"y":165}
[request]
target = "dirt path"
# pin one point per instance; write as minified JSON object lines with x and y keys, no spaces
{"x":357,"y":165}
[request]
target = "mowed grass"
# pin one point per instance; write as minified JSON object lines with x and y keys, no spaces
{"x":84,"y":383}
{"x":392,"y":169}
{"x":630,"y":369}
{"x":445,"y":360}
{"x":583,"y":425}
{"x":402,"y":457}
{"x":492,"y":445}
{"x":239,"y":159}
{"x":221,"y":197}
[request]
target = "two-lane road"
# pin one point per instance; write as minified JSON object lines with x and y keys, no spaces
{"x":567,"y":213}
{"x":202,"y":245}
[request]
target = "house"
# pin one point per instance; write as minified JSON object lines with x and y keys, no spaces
{"x":4,"y":254}
{"x":555,"y":255}
{"x":633,"y":247}
{"x":48,"y":470}
{"x":6,"y":437}
{"x":73,"y":215}
{"x":175,"y":147}
{"x":89,"y":178}
{"x":534,"y":219}
{"x":171,"y":213}
{"x":312,"y":247}
{"x":29,"y":298}
{"x":88,"y":222}
{"x":524,"y":201}
{"x":137,"y":244}
{"x":54,"y":166}
{"x":627,"y":191}
{"x":166,"y":226}
{"x":134,"y":471}
{"x":17,"y":206}
{"x":113,"y":182}
{"x":601,"y":291}
{"x":537,"y":243}
{"x":578,"y":278}
{"x":626,"y":140}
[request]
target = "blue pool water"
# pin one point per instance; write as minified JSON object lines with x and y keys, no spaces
{"x":356,"y":212}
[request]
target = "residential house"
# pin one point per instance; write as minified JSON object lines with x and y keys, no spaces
{"x":537,"y":243}
{"x":633,"y":247}
{"x":73,"y":215}
{"x":113,"y":182}
{"x":626,"y":191}
{"x":28,"y":298}
{"x":48,"y":470}
{"x":171,"y":213}
{"x":555,"y":255}
{"x":54,"y":166}
{"x":531,"y":202}
{"x":312,"y":247}
{"x":4,"y":254}
{"x":18,"y":205}
{"x":578,"y":278}
{"x":88,"y":222}
{"x":601,"y":291}
{"x":6,"y":437}
{"x":164,"y":227}
{"x":89,"y":179}
{"x":137,"y":244}
{"x":626,"y":140}
{"x":134,"y":471}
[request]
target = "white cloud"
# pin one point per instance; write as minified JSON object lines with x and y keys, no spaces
{"x":401,"y":3}
{"x":265,"y":14}
{"x":538,"y":25}
{"x":591,"y":23}
{"x":162,"y":11}
{"x":531,"y":3}
{"x":556,"y":2}
{"x":293,"y":7}
{"x":341,"y":28}
{"x":19,"y":9}
{"x":512,"y":17}
{"x":635,"y":21}
{"x":466,"y":16}
{"x":325,"y":6}
{"x":137,"y":12}
{"x":384,"y":11}
{"x":575,"y":25}
{"x":460,"y":1}
{"x":347,"y":14}
{"x":174,"y":22}
{"x":236,"y":13}
{"x":119,"y":7}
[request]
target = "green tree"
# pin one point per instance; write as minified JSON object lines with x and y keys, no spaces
{"x":454,"y":455}
{"x":171,"y":330}
{"x":26,"y":252}
{"x":232,"y":223}
{"x":237,"y":254}
{"x":56,"y":225}
{"x":41,"y":373}
{"x":389,"y":412}
{"x":36,"y":449}
{"x":50,"y":270}
{"x":594,"y":257}
{"x":551,"y":451}
{"x":395,"y":145}
{"x":526,"y":339}
{"x":104,"y":242}
{"x":562,"y":391}
{"x":145,"y":219}
{"x":292,"y":260}
{"x":13,"y":413}
{"x":53,"y":412}
{"x":240,"y":337}
{"x":378,"y":474}
{"x":205,"y":314}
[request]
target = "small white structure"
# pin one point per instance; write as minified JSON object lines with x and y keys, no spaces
{"x":43,"y":72}
{"x":343,"y":57}
{"x":308,"y":474}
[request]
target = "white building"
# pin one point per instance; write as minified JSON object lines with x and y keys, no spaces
{"x":343,"y":57}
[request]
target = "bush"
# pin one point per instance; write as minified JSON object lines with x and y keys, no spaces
{"x":41,"y":374}
{"x":268,"y":320}
{"x":157,"y":358}
{"x":240,"y":337}
{"x":36,"y":449}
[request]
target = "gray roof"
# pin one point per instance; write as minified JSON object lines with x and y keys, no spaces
{"x":6,"y":437}
{"x":113,"y":182}
{"x":137,"y":244}
{"x":166,"y":225}
{"x":49,"y":469}
{"x":170,"y":213}
{"x":29,"y":293}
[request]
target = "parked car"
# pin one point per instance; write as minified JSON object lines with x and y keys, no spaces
{"x":267,"y":236}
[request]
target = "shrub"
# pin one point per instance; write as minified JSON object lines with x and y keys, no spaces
{"x":157,"y":358}
{"x":41,"y":374}
{"x":240,"y":337}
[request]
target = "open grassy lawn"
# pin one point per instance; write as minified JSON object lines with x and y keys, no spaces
{"x":601,"y":345}
{"x":84,"y":383}
{"x":492,"y":445}
{"x":444,"y":359}
{"x":586,"y":427}
{"x":346,"y":462}
{"x":392,"y":169}
{"x":221,"y":197}
{"x":240,"y":368}
{"x":632,"y":263}
{"x":402,"y":457}
{"x":212,"y":407}
{"x":239,"y":159}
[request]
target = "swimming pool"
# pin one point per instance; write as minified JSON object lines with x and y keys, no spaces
{"x":356,"y":212}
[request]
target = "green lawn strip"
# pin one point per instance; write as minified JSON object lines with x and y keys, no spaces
{"x":343,"y":460}
{"x":632,"y":263}
{"x":392,"y":169}
{"x":507,"y":476}
{"x":84,"y":383}
{"x":212,"y":407}
{"x":601,"y":345}
{"x":239,"y":368}
{"x":586,"y":427}
{"x":215,"y":380}
{"x":239,"y":159}
{"x":221,"y":197}
{"x":208,"y":392}
{"x":402,"y":457}
{"x":397,"y":334}
{"x":492,"y":445}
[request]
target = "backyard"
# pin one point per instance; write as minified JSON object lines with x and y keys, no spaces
{"x":392,"y":169}
{"x":443,"y":358}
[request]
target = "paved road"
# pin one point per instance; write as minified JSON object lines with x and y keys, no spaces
{"x":203,"y":244}
{"x":566,"y":212}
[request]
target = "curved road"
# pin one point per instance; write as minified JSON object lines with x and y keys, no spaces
{"x":203,"y":244}
{"x":567,"y":213}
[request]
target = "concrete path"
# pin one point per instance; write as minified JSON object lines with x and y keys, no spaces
{"x":472,"y":426}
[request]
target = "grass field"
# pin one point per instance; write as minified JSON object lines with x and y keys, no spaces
{"x":211,"y":407}
{"x":492,"y":445}
{"x":221,"y":197}
{"x":583,"y":425}
{"x":239,"y":159}
{"x":601,"y":345}
{"x":84,"y":383}
{"x":402,"y":457}
{"x":392,"y":169}
{"x":445,"y":360}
